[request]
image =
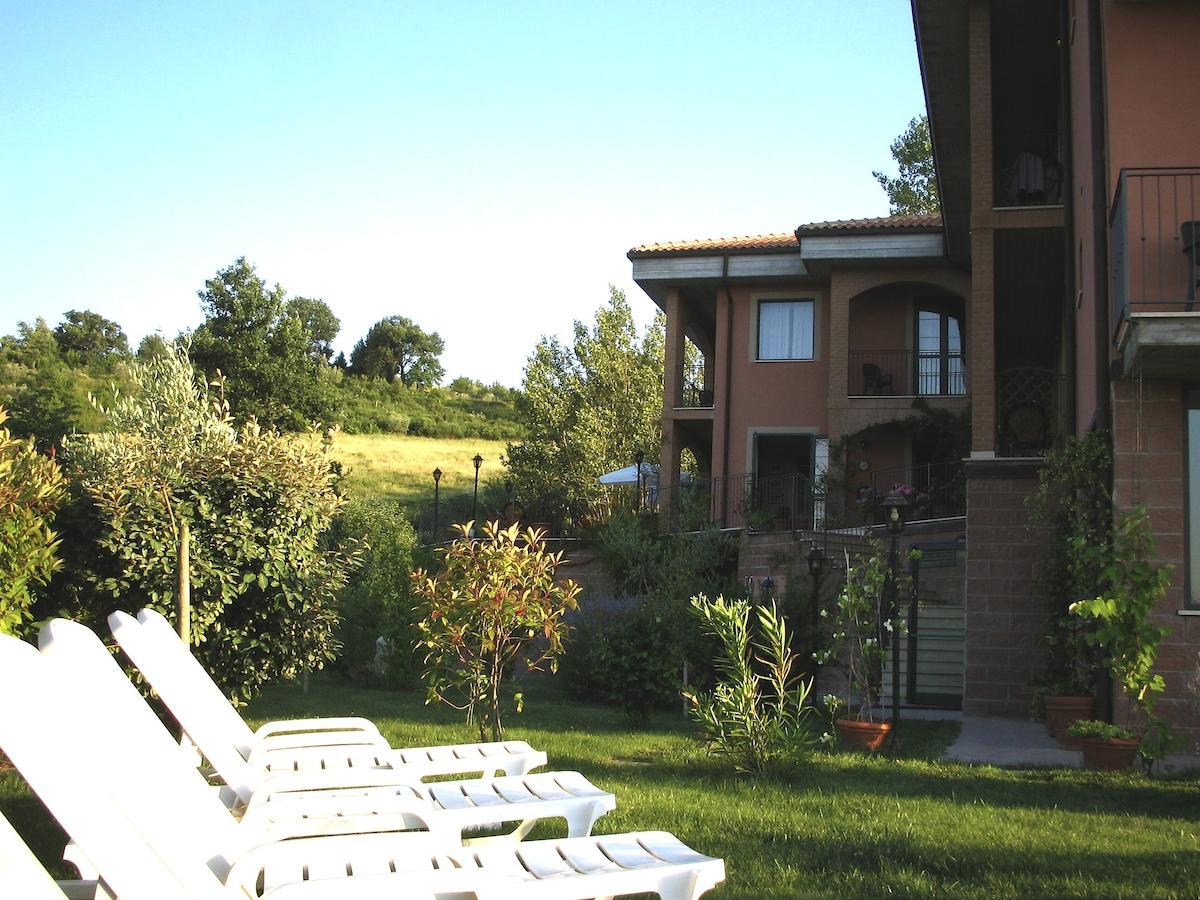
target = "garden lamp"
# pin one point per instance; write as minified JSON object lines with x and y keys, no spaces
{"x":638,"y":456}
{"x":478,"y":460}
{"x":818,"y":562}
{"x":893,"y":509}
{"x":437,"y":480}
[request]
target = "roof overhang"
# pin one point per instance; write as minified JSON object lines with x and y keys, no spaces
{"x":655,"y":274}
{"x":1161,"y":345}
{"x":941,"y":32}
{"x":820,"y":253}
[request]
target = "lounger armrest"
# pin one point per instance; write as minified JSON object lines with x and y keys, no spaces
{"x":332,"y":723}
{"x":318,"y":815}
{"x":326,"y":779}
{"x":409,"y":885}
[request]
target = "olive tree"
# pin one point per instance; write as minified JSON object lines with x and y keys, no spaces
{"x":258,"y":505}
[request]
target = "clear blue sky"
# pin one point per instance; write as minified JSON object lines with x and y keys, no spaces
{"x":481,"y":168}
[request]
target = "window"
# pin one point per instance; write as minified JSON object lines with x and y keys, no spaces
{"x":785,"y":329}
{"x":1193,"y":498}
{"x":940,"y":368}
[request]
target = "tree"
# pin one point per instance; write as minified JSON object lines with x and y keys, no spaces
{"x":493,"y":600}
{"x":915,"y":191}
{"x":31,"y":488}
{"x":258,"y":505}
{"x":85,"y":337}
{"x":589,"y":407}
{"x":47,"y":399}
{"x":264,"y":353}
{"x":397,"y":347}
{"x":319,"y":322}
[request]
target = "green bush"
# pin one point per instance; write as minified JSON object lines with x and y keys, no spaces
{"x":1101,"y":731}
{"x":627,"y":655}
{"x":31,"y":488}
{"x":377,"y":602}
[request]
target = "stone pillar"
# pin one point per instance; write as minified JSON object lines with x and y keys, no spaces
{"x":981,"y":342}
{"x":673,"y":354}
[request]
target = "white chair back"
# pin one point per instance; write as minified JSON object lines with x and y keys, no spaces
{"x":60,"y":746}
{"x":191,"y":695}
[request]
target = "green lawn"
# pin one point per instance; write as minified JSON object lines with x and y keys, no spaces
{"x":842,"y":825}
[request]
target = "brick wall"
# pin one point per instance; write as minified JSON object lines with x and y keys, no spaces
{"x":1148,"y":470}
{"x":1006,"y":618}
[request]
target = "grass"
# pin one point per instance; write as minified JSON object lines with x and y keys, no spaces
{"x":841,"y":825}
{"x":400,"y":467}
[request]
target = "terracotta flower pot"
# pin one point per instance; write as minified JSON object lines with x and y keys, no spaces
{"x":856,"y":735}
{"x":1110,"y":755}
{"x":1062,"y":711}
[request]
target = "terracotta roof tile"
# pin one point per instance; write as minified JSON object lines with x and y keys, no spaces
{"x":786,"y":240}
{"x":783,"y":240}
{"x":879,"y":223}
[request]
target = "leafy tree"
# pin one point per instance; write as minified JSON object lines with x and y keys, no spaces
{"x":152,"y":345}
{"x":86,"y":337}
{"x":588,"y":407}
{"x":320,"y":323}
{"x":264,"y":354}
{"x":493,"y":600}
{"x":31,"y":488}
{"x":915,"y":190}
{"x":397,"y":347}
{"x":258,"y":505}
{"x":47,"y":399}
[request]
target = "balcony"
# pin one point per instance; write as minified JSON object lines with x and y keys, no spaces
{"x":1154,"y":237}
{"x":906,"y":373}
{"x":696,"y":394}
{"x":1028,"y":171}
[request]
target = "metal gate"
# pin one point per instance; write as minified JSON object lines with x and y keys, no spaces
{"x":936,"y":615}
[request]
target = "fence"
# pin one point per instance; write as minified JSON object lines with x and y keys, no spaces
{"x":1154,"y":232}
{"x":906,"y":373}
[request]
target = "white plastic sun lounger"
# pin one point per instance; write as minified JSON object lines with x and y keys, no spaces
{"x":22,"y":876}
{"x":297,"y":745}
{"x":446,"y":808}
{"x":154,"y":835}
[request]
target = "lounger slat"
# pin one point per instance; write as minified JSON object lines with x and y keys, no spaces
{"x":543,"y":860}
{"x":625,"y":851}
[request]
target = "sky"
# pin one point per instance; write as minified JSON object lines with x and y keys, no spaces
{"x":481,"y":168}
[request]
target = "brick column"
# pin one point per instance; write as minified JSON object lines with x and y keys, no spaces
{"x":981,"y":342}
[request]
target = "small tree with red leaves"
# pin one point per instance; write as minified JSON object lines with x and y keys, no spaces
{"x":495,"y":601}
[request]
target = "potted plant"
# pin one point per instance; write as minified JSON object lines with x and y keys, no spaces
{"x":1105,"y":746}
{"x":859,"y":624}
{"x":1123,"y":628}
{"x":1063,"y":703}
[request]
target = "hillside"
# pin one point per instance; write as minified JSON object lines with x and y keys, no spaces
{"x":399,"y":467}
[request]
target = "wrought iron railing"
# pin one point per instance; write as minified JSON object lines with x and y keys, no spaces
{"x":1154,"y":238}
{"x":906,"y":373}
{"x":695,"y":394}
{"x":933,"y":491}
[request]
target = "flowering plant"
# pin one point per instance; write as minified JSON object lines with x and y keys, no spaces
{"x":861,"y":627}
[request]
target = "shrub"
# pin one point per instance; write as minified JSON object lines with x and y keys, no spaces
{"x":31,"y":488}
{"x":627,"y":655}
{"x":493,"y":600}
{"x":259,"y":505}
{"x":377,"y":601}
{"x":1101,"y":731}
{"x":758,"y":721}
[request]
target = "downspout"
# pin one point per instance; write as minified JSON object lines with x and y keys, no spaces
{"x":728,"y":380}
{"x":1099,"y":208}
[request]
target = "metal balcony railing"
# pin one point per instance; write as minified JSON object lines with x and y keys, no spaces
{"x":933,"y":491}
{"x":1154,"y":233}
{"x":695,"y":394}
{"x":906,"y":373}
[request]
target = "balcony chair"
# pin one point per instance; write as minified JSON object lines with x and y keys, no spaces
{"x":874,"y":379}
{"x":155,"y":831}
{"x":206,"y":714}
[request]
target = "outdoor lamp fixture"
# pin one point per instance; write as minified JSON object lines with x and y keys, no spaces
{"x":894,"y":506}
{"x":437,"y":479}
{"x":478,"y":460}
{"x":638,"y":456}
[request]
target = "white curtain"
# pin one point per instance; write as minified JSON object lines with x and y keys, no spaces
{"x":785,"y":330}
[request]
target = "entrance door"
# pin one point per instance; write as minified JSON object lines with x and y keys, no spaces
{"x":782,"y":491}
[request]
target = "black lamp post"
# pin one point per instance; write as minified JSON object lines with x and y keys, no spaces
{"x":894,"y":506}
{"x":437,"y":479}
{"x":478,"y":460}
{"x":818,"y":562}
{"x":638,"y":456}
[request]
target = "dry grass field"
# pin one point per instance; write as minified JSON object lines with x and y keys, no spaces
{"x":400,"y":467}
